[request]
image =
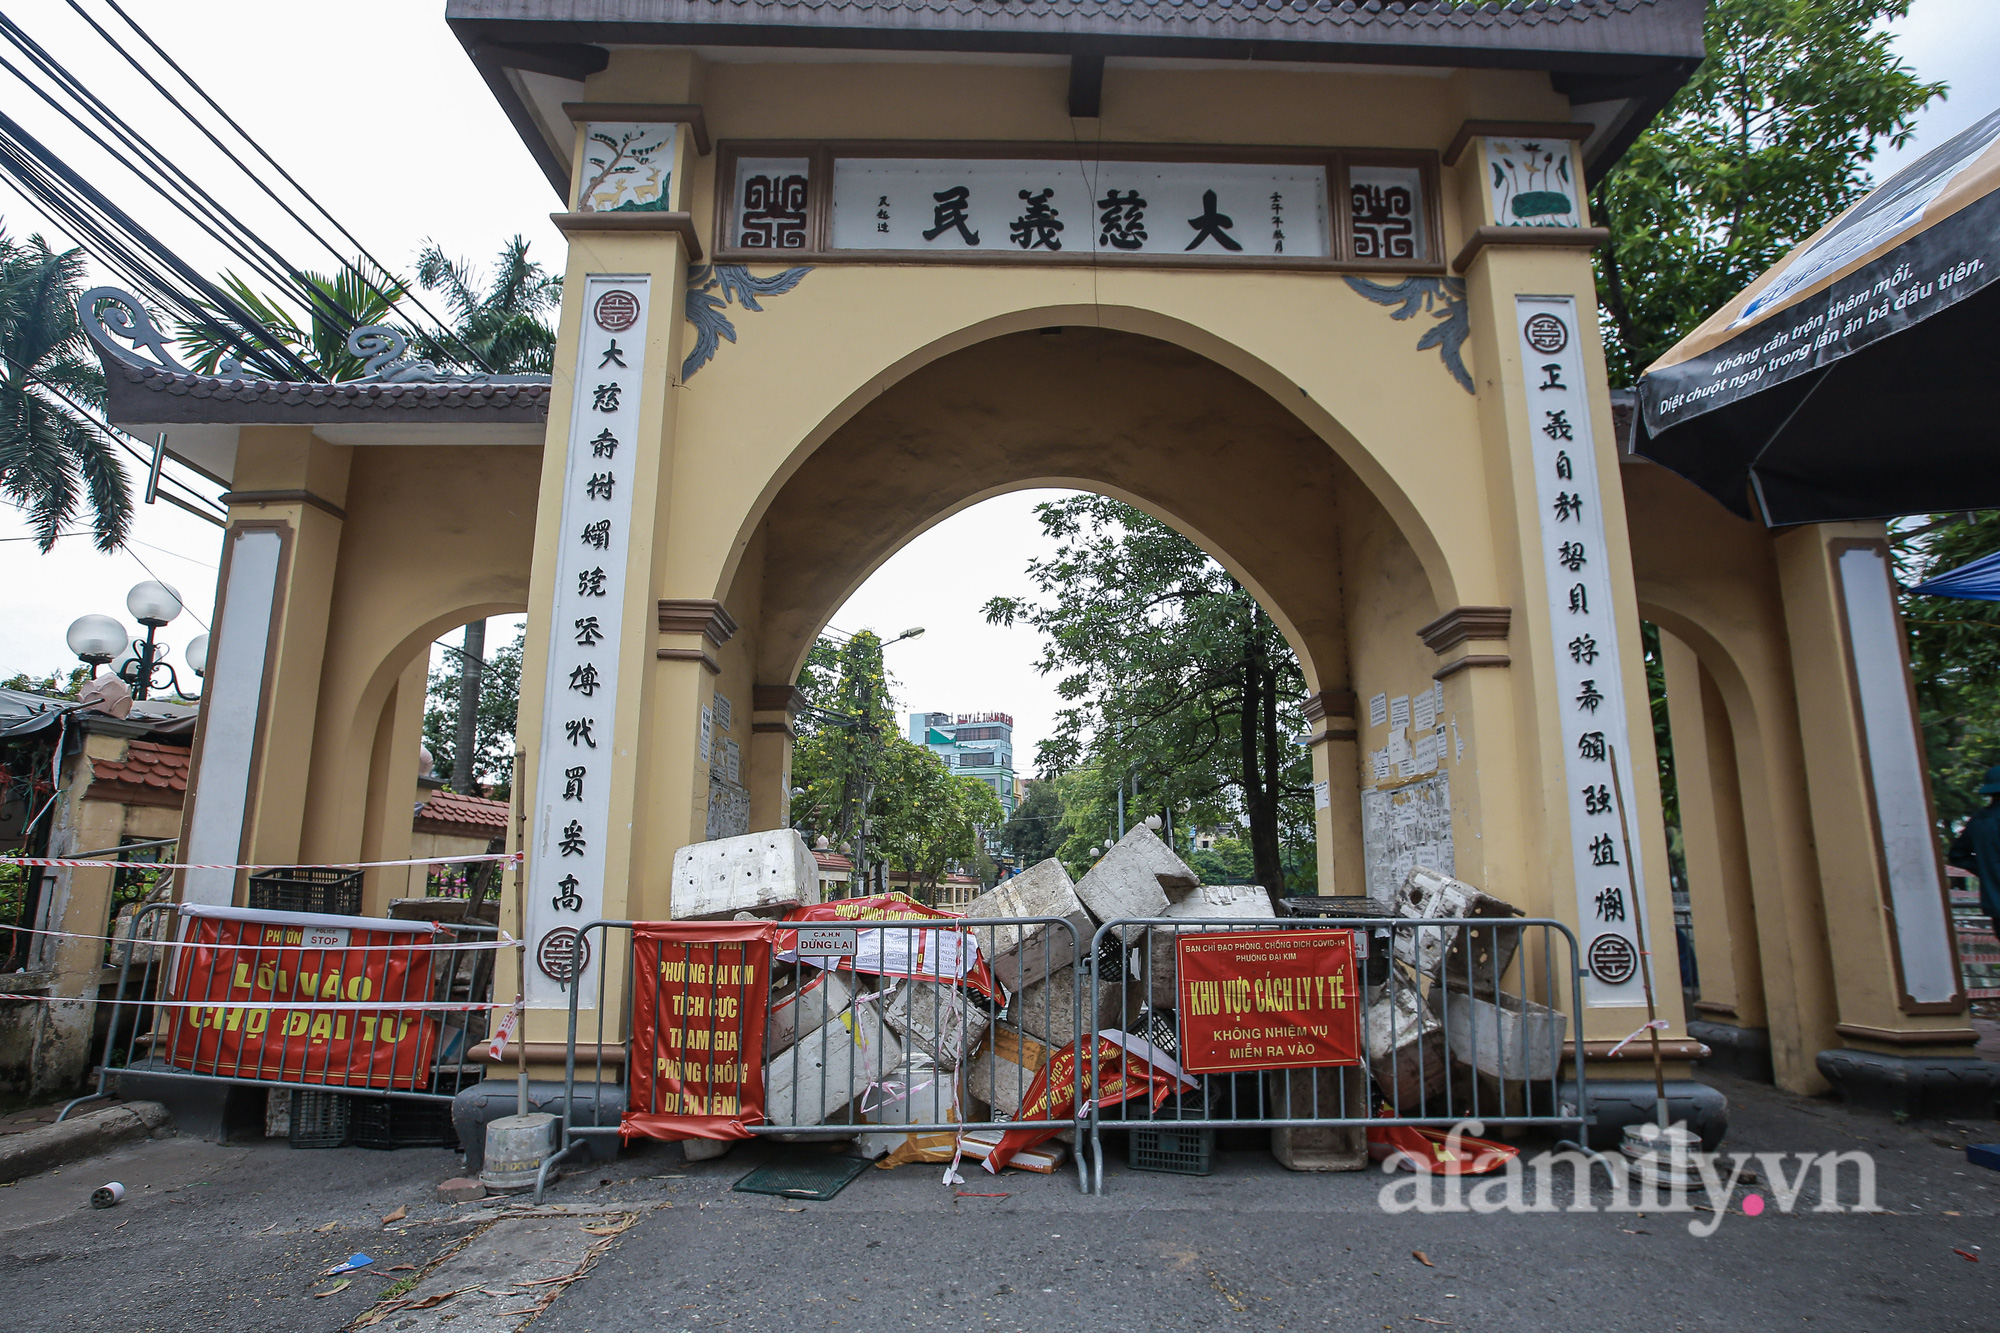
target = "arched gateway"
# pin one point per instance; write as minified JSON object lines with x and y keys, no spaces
{"x":1310,"y":282}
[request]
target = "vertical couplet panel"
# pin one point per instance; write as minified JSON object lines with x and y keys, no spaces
{"x":1590,"y":697}
{"x":570,"y":827}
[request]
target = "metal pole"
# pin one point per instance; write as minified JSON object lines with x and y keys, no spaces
{"x":521,"y":924}
{"x":1645,"y":953}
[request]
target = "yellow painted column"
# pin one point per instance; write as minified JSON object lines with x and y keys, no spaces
{"x":392,"y":792}
{"x":1575,"y":676}
{"x":1895,"y":974}
{"x":253,"y":749}
{"x":1713,"y":842}
{"x":1336,"y":760}
{"x":591,"y":687}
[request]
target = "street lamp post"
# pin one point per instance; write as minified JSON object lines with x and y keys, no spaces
{"x":98,"y":639}
{"x":868,"y":728}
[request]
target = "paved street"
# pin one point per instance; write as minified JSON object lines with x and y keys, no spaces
{"x":232,"y":1237}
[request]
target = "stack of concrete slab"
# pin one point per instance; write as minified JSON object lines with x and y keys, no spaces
{"x":1456,"y":953}
{"x":938,"y":1021}
{"x":1126,"y":883}
{"x":760,"y":873}
{"x":1019,"y":954}
{"x":803,"y":998}
{"x":1406,"y":1051}
{"x":1201,"y":902}
{"x":828,"y":1068}
{"x":999,"y":1073}
{"x":1048,"y":1008}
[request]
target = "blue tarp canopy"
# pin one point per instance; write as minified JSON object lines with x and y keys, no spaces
{"x":1976,"y":582}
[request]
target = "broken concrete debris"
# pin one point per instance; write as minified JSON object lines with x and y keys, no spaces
{"x":1126,"y":882}
{"x":764,"y":873}
{"x":803,"y":997}
{"x":828,"y":1068}
{"x":940,"y":1021}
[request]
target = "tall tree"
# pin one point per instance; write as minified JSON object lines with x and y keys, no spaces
{"x":1954,"y":658}
{"x":359,"y":292}
{"x":499,"y":704}
{"x":503,"y":321}
{"x":1034,"y":832}
{"x":849,"y":764}
{"x":1765,"y":145}
{"x":1177,"y":686}
{"x":53,"y":461}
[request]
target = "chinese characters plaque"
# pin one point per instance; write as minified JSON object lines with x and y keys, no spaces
{"x":572,"y":820}
{"x":1590,"y":695}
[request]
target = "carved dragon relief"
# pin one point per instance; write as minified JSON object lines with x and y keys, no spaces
{"x":1441,"y":298}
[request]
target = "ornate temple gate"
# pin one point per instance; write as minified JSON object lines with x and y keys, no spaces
{"x":1312,"y":285}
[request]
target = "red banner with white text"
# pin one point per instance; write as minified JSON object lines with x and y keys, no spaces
{"x":700,"y":990}
{"x":288,"y":1002}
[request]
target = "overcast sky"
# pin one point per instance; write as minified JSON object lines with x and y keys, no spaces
{"x":350,"y":98}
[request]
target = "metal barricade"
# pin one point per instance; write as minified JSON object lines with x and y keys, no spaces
{"x":931,"y":1031}
{"x":189,"y":1011}
{"x":1454,"y":1018}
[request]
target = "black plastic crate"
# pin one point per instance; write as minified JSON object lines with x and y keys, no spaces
{"x":403,"y":1122}
{"x":1184,"y":1152}
{"x":329,"y":890}
{"x":320,"y":1119}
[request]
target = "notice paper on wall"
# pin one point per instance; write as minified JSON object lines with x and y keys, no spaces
{"x":1378,"y":710}
{"x":1399,"y":711}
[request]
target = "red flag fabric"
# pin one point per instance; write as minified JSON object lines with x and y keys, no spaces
{"x":1123,"y":1073}
{"x":699,"y":995}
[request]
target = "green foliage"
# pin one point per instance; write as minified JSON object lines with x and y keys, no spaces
{"x":923,"y":819}
{"x":499,"y":711}
{"x":1954,"y":657}
{"x":1176,"y":685}
{"x":58,"y":684}
{"x":13,"y":896}
{"x":318,"y":336}
{"x":1765,"y":145}
{"x":504,"y":322}
{"x":53,"y":461}
{"x":1034,"y":832}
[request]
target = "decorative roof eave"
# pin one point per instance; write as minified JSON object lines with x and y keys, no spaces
{"x":1626,"y":57}
{"x":146,"y":386}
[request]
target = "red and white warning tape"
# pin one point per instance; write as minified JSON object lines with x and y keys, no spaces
{"x":70,"y":864}
{"x":1660,"y":1024}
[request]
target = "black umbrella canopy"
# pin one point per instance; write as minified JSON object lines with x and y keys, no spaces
{"x":1855,"y":378}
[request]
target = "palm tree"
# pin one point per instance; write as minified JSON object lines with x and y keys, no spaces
{"x":51,"y":457}
{"x":364,"y":295}
{"x":503,"y":323}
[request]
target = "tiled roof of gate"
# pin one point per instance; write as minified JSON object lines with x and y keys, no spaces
{"x":1421,"y":20}
{"x":212,"y":398}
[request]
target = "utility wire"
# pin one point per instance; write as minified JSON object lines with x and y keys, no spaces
{"x":25,"y":147}
{"x":244,"y":134}
{"x":242,"y":241}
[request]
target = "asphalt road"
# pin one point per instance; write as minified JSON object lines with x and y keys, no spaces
{"x":228,"y":1238}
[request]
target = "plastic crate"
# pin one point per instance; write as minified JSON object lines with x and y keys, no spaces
{"x":1335,"y":906}
{"x":402,"y":1122}
{"x":320,"y":1119}
{"x":1184,"y":1152}
{"x":329,"y":890}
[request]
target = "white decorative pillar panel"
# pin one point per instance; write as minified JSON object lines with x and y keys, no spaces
{"x":232,"y":707}
{"x":1590,"y":698}
{"x":580,"y":722}
{"x":1903,"y":828}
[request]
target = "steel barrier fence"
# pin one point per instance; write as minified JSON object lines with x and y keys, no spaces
{"x":296,"y":1012}
{"x":895,"y":1030}
{"x":899,"y":1029}
{"x":1440,"y":1039}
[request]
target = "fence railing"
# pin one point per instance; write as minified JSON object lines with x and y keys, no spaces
{"x":298,"y":1000}
{"x":936,"y":1031}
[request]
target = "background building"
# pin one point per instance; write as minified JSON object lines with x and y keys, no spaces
{"x":973,"y":745}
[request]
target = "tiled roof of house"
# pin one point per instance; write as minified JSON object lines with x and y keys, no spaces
{"x":465,"y":816}
{"x":147,"y":393}
{"x":833,"y":861}
{"x":149,"y":774}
